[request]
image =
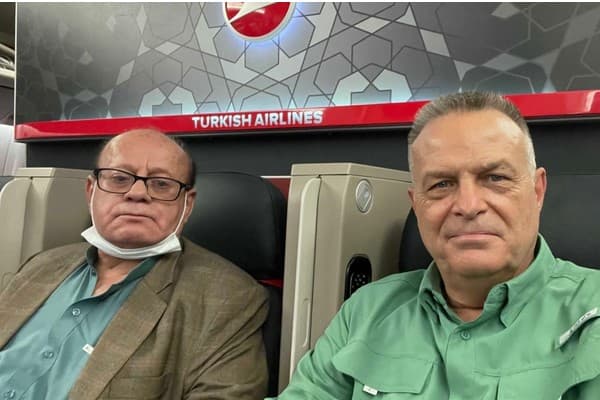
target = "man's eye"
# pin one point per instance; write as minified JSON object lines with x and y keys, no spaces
{"x":441,"y":185}
{"x":496,"y":178}
{"x":119,"y":178}
{"x":161,"y":184}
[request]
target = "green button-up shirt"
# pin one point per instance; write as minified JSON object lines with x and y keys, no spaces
{"x":538,"y":338}
{"x":45,"y":357}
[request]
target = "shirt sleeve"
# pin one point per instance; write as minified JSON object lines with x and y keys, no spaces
{"x":316,"y":377}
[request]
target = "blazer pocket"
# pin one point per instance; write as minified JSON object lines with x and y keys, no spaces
{"x":142,"y":387}
{"x":380,"y":375}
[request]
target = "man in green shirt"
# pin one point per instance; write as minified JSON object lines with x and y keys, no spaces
{"x":139,"y":314}
{"x":496,"y":315}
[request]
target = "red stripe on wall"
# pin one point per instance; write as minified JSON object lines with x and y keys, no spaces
{"x":532,"y":106}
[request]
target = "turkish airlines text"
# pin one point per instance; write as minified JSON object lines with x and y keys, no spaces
{"x":249,"y":120}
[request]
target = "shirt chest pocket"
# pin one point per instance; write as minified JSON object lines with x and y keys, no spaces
{"x":555,"y":380}
{"x":548,"y":383}
{"x":381,"y":376}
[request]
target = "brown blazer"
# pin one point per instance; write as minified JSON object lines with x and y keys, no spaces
{"x":189,"y":330}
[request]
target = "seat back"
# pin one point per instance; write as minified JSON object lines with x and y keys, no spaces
{"x":343,"y":228}
{"x":40,"y":208}
{"x":242,"y":218}
{"x":11,"y":230}
{"x":413,"y":254}
{"x":568,"y":222}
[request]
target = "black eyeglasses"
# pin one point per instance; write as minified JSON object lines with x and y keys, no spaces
{"x":159,"y":187}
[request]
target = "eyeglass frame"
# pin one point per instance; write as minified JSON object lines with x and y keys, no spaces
{"x":182,"y":186}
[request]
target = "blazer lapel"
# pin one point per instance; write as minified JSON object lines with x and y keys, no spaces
{"x":132,"y":324}
{"x":30,"y":289}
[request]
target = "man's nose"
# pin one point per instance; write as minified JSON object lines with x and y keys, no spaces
{"x":469,"y":200}
{"x":138,"y":191}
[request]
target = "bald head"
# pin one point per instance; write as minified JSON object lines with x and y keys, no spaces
{"x":170,"y":148}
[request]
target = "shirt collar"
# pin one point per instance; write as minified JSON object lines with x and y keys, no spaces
{"x":510,"y":296}
{"x":430,"y":291}
{"x":139,"y":271}
{"x":522,"y":288}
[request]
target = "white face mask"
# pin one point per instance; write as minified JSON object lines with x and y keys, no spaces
{"x":169,"y":244}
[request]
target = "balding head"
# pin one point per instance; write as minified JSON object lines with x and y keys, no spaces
{"x":170,"y":147}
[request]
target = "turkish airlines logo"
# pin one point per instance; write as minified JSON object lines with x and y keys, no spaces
{"x":257,"y":21}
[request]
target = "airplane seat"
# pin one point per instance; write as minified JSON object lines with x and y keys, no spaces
{"x":568,"y":223}
{"x":344,"y":223}
{"x":413,"y":254}
{"x":40,"y":208}
{"x":242,"y":217}
{"x":569,"y":220}
{"x":12,"y":225}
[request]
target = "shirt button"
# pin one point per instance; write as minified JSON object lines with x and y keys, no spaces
{"x":9,"y":394}
{"x":465,"y":335}
{"x":48,"y":354}
{"x":75,"y":312}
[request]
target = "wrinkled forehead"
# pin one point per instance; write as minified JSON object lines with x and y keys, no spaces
{"x":476,"y":129}
{"x":469,"y":137}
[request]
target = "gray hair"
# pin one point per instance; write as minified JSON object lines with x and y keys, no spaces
{"x":465,"y":102}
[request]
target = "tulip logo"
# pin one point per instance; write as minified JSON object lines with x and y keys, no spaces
{"x":257,"y":21}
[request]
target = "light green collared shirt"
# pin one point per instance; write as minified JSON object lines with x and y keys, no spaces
{"x":538,"y":338}
{"x":45,"y":357}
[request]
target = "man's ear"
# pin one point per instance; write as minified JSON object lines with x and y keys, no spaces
{"x":191,"y":200}
{"x":411,"y":195}
{"x":89,"y":188}
{"x":540,"y":186}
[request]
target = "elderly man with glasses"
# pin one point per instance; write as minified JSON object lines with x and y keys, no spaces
{"x":141,"y":313}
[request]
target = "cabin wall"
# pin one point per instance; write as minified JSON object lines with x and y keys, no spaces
{"x":139,"y":59}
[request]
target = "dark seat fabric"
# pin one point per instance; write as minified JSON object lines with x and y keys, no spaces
{"x":569,"y":223}
{"x":413,"y":254}
{"x":4,"y":180}
{"x":242,"y":217}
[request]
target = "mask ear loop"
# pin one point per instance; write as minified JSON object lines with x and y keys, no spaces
{"x":92,"y":202}
{"x":182,"y":213}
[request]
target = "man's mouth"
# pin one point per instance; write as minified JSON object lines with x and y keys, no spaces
{"x":133,"y":215}
{"x":472,"y":235}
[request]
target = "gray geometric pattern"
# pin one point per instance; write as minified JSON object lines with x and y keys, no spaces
{"x":92,"y":60}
